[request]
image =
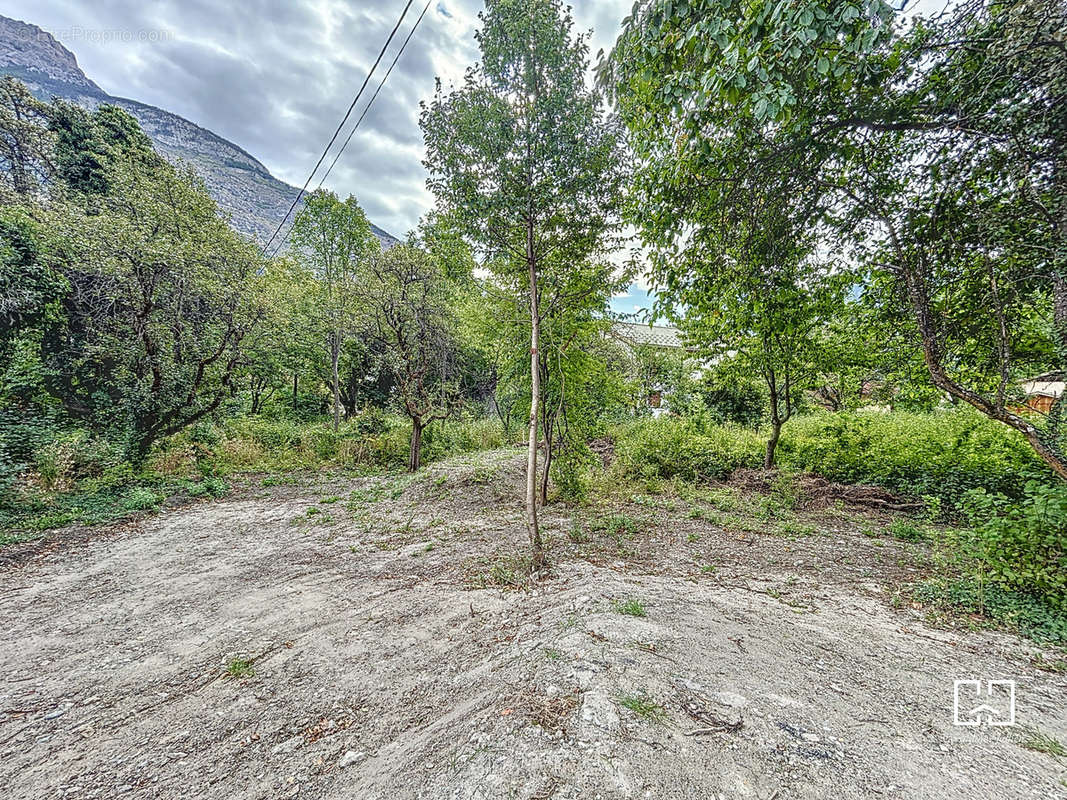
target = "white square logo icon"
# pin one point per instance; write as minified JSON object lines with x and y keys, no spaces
{"x":971,"y":707}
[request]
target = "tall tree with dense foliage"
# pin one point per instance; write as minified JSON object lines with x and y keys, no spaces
{"x":935,"y":147}
{"x":27,"y":146}
{"x":404,"y":294}
{"x":145,"y":293}
{"x":755,"y":296}
{"x":335,"y":239}
{"x":526,"y":164}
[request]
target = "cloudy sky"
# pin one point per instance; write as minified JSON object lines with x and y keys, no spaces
{"x":275,"y":77}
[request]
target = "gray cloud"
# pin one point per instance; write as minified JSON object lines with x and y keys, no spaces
{"x":275,"y":76}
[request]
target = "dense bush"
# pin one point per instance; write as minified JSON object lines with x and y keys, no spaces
{"x":71,"y":476}
{"x":1030,"y":614}
{"x":683,"y":448}
{"x":255,"y":444}
{"x":1021,"y":545}
{"x":943,"y":454}
{"x":733,"y":400}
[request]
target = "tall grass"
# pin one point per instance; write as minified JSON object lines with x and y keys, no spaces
{"x":74,"y":478}
{"x":258,"y":444}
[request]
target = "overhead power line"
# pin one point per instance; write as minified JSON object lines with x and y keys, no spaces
{"x":374,"y":96}
{"x":340,"y":125}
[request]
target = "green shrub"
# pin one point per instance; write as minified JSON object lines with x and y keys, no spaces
{"x":906,"y":531}
{"x":943,"y":454}
{"x":1021,"y":545}
{"x":570,"y":472}
{"x":373,"y":439}
{"x":141,"y":498}
{"x":1024,"y":612}
{"x":452,"y":437}
{"x":939,"y":456}
{"x":210,"y":486}
{"x":736,"y":401}
{"x":679,"y":448}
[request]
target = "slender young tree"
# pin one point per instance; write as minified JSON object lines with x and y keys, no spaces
{"x":524,"y":161}
{"x":335,"y":239}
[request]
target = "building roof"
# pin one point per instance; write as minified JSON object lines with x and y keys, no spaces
{"x":636,"y":333}
{"x":1051,"y":384}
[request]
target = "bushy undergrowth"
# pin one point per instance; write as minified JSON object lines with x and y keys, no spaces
{"x":1011,"y":548}
{"x":70,"y":477}
{"x":685,"y":449}
{"x":374,"y":441}
{"x":942,"y":455}
{"x":1020,"y":545}
{"x":1028,"y":614}
{"x":91,"y":501}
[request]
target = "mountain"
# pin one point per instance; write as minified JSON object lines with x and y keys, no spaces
{"x":255,"y":200}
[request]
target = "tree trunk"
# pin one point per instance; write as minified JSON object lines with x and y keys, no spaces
{"x":536,"y":546}
{"x":295,"y":387}
{"x":350,"y":400}
{"x":772,"y":444}
{"x":548,"y":464}
{"x":776,"y":417}
{"x":415,"y":451}
{"x":335,"y":356}
{"x":1059,"y":314}
{"x":776,"y":420}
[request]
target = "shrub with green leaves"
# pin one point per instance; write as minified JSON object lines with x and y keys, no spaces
{"x":261,"y":444}
{"x":1024,"y":612}
{"x":1021,"y":545}
{"x":942,"y":454}
{"x":680,"y":448}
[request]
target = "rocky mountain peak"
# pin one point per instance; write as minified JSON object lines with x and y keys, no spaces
{"x":28,"y":47}
{"x":253,"y":199}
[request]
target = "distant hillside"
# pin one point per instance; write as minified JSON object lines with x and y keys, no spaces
{"x":241,"y":185}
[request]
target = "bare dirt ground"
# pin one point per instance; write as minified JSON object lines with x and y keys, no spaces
{"x":392,"y":656}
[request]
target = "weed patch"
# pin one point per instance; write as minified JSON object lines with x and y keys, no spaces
{"x":1027,"y":614}
{"x":629,"y":608}
{"x":643,"y":706}
{"x":239,"y":668}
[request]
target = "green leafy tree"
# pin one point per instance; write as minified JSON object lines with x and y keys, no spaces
{"x":88,"y":142}
{"x":756,"y":302}
{"x":157,"y":312}
{"x":576,"y":389}
{"x":934,"y":147}
{"x":129,"y":296}
{"x":287,"y":344}
{"x":139,"y":300}
{"x":336,"y":241}
{"x":27,"y":147}
{"x":526,"y":164}
{"x":30,"y":286}
{"x":404,"y":293}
